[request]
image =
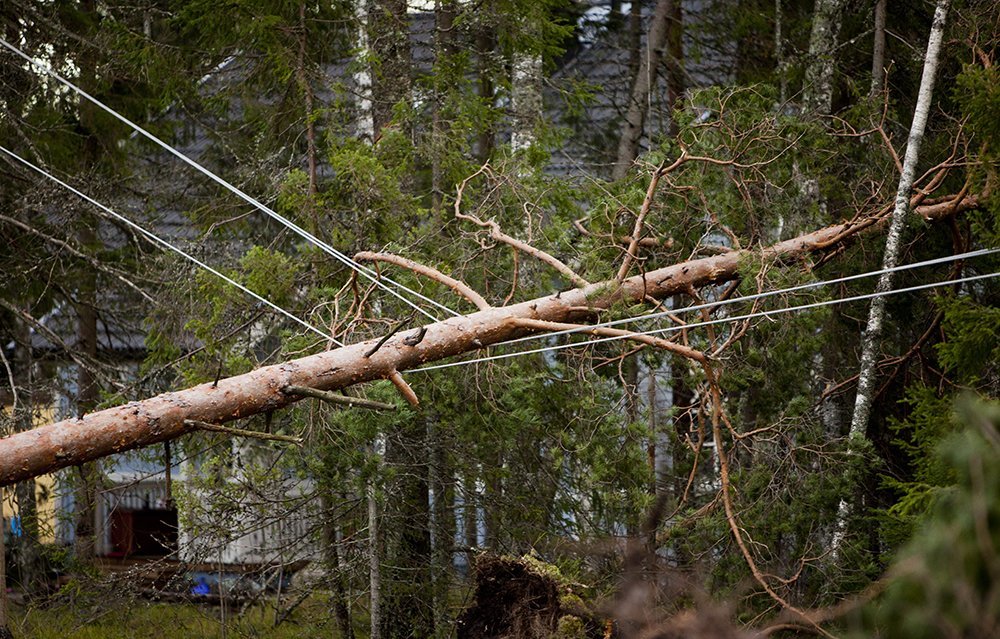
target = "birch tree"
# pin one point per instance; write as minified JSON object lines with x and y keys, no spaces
{"x":872,"y":336}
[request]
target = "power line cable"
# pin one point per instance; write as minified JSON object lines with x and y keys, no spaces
{"x":158,"y":240}
{"x":348,"y":261}
{"x":670,"y":329}
{"x":757,"y":296}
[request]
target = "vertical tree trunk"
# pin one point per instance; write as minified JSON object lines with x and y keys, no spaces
{"x":374,"y":562}
{"x":335,"y":570}
{"x":878,"y":49}
{"x":675,"y":63}
{"x":485,"y":50}
{"x":444,"y":51}
{"x":364,"y":119}
{"x":642,"y":85}
{"x":526,"y":99}
{"x":872,"y":337}
{"x":27,"y":545}
{"x":405,"y":575}
{"x":779,"y":51}
{"x":817,"y":90}
{"x":88,"y":391}
{"x":470,"y":517}
{"x":4,"y":625}
{"x":389,"y":43}
{"x":440,"y":473}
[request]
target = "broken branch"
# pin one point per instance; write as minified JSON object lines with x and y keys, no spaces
{"x":239,"y":432}
{"x":429,"y":272}
{"x":334,"y":398}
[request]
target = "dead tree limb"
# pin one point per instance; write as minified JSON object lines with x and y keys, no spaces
{"x":459,"y":287}
{"x":240,"y":432}
{"x":141,"y":423}
{"x":341,"y":400}
{"x":497,"y":234}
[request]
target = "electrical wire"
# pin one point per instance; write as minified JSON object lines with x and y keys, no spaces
{"x":347,"y":261}
{"x":158,"y":240}
{"x":757,"y":296}
{"x":737,"y":318}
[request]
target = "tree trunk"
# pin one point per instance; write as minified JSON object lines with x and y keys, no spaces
{"x":675,"y":63}
{"x":485,"y":50}
{"x":444,"y":51}
{"x":88,"y":394}
{"x":526,"y":99}
{"x":87,"y":389}
{"x":26,"y":547}
{"x":642,"y":85}
{"x":137,"y":424}
{"x":389,"y":42}
{"x":4,"y":626}
{"x":335,"y":570}
{"x":872,"y":337}
{"x":374,"y":562}
{"x":817,"y":90}
{"x":878,"y":49}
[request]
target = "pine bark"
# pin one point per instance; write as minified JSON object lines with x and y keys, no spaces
{"x":137,"y":424}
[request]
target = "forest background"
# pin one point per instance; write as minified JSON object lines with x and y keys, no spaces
{"x":471,"y":147}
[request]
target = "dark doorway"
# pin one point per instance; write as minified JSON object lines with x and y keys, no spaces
{"x":150,"y":532}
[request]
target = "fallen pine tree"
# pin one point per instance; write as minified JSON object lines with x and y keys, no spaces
{"x":171,"y":415}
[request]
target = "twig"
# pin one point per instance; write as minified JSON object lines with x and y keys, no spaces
{"x":497,"y":234}
{"x":727,"y":503}
{"x":239,"y":432}
{"x":385,"y":338}
{"x":461,"y":288}
{"x":334,"y":398}
{"x":647,"y":203}
{"x":673,"y":347}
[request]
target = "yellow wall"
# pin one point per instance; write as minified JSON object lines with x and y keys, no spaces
{"x":45,"y":495}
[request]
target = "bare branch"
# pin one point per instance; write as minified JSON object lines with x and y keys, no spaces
{"x":239,"y":432}
{"x":334,"y":398}
{"x":497,"y":234}
{"x":457,"y":286}
{"x":673,"y":347}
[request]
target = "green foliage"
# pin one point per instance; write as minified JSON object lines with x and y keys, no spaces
{"x":943,"y":582}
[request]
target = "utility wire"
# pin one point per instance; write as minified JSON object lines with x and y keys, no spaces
{"x":757,"y":296}
{"x":158,"y":240}
{"x":349,"y":262}
{"x":737,"y":318}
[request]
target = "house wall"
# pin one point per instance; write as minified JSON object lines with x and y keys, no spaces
{"x":45,"y":495}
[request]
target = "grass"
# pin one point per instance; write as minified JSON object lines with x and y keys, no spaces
{"x":140,"y":619}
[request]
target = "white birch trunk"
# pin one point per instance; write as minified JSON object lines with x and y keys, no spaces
{"x":872,"y":337}
{"x":365,"y":119}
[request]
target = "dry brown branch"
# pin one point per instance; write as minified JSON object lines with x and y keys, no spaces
{"x":731,"y":518}
{"x":647,"y":203}
{"x":334,"y":398}
{"x":239,"y":432}
{"x":673,"y":347}
{"x":497,"y":234}
{"x":461,"y":288}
